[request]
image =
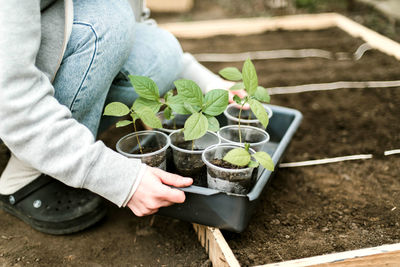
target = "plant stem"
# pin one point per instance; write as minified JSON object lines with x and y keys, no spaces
{"x":249,"y":116}
{"x":174,"y":122}
{"x":192,"y":145}
{"x":240,"y":132}
{"x":137,"y":138}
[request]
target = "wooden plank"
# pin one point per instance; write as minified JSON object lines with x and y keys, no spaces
{"x":246,"y":26}
{"x":374,"y":39}
{"x":386,"y":255}
{"x":388,"y":259}
{"x":169,"y":5}
{"x":214,"y":242}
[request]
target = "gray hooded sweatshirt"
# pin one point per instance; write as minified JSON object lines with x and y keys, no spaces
{"x":38,"y":129}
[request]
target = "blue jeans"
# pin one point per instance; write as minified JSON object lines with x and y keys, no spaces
{"x":105,"y":46}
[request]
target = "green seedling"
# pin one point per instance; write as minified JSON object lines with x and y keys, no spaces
{"x":168,"y":113}
{"x":202,"y":109}
{"x":248,"y":80}
{"x":145,"y":107}
{"x":149,"y":97}
{"x":241,"y":157}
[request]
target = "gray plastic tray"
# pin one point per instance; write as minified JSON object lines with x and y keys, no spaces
{"x":231,"y":211}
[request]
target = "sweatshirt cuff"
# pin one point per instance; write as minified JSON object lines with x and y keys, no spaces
{"x":113,"y":175}
{"x":136,"y":184}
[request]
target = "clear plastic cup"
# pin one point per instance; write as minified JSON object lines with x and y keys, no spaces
{"x":238,"y":181}
{"x":188,"y":162}
{"x":128,"y":146}
{"x":254,"y":136}
{"x":232,"y":114}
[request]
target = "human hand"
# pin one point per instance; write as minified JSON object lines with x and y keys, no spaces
{"x":153,"y":191}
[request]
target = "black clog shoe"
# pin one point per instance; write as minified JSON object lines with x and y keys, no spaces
{"x":52,"y":207}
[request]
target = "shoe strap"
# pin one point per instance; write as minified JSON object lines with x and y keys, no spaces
{"x":27,"y":190}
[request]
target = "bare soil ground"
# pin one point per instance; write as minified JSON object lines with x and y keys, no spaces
{"x":311,"y":211}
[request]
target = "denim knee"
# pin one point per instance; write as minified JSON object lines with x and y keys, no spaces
{"x":157,"y":54}
{"x":112,"y":23}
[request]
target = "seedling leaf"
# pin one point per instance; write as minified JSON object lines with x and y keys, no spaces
{"x":134,"y":116}
{"x":195,"y":126}
{"x":123,"y":123}
{"x":176,"y":103}
{"x":264,"y":159}
{"x":262,"y":94}
{"x":168,"y":95}
{"x":247,"y":146}
{"x":191,"y":108}
{"x":250,"y":79}
{"x":168,"y":113}
{"x":253,"y":164}
{"x":237,"y":99}
{"x":259,"y":110}
{"x":148,"y":117}
{"x":238,"y":156}
{"x":143,"y":102}
{"x":145,"y":87}
{"x":190,"y":91}
{"x":231,"y":73}
{"x":216,"y":102}
{"x":213,"y":124}
{"x":237,"y":86}
{"x":117,"y":109}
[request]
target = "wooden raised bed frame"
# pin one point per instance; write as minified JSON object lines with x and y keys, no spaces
{"x":211,"y":238}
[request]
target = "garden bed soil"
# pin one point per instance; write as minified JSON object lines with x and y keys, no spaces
{"x":310,"y":211}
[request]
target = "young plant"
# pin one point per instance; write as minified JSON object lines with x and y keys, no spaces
{"x":255,"y":93}
{"x":202,"y":109}
{"x":241,"y":157}
{"x":149,"y":96}
{"x":145,"y":107}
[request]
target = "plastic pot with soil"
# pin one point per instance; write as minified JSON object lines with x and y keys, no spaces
{"x":253,"y":136}
{"x":247,"y":117}
{"x":187,"y":155}
{"x":225,"y":176}
{"x":148,"y":146}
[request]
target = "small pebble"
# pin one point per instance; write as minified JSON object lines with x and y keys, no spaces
{"x":325,"y":229}
{"x":287,"y":236}
{"x":275,"y":222}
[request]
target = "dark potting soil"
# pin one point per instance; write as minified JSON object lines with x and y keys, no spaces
{"x":172,"y":127}
{"x":316,"y":210}
{"x":154,"y":160}
{"x":190,"y":165}
{"x":224,"y":164}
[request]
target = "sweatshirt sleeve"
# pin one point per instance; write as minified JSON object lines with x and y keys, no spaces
{"x":39,"y":130}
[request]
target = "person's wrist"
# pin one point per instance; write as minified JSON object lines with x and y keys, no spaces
{"x":135,"y":185}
